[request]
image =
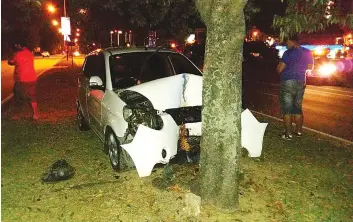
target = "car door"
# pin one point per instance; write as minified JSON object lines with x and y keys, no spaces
{"x":95,"y":94}
{"x":83,"y":87}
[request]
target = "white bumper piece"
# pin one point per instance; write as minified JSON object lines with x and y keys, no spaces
{"x":148,"y":144}
{"x":252,"y":133}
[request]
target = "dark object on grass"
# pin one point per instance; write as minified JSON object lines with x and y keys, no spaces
{"x":60,"y":170}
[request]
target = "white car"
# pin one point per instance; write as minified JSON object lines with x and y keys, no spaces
{"x":45,"y":54}
{"x":139,"y":102}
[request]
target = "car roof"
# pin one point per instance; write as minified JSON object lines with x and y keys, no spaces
{"x":120,"y":50}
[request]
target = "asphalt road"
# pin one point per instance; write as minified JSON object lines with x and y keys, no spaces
{"x":40,"y":65}
{"x":328,"y":109}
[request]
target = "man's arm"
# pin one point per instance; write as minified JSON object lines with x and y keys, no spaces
{"x":310,"y":61}
{"x":280,"y":67}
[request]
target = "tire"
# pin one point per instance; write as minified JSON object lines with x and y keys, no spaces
{"x":120,"y":160}
{"x":81,"y":121}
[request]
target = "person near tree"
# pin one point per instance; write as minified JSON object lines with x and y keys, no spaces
{"x":292,"y":67}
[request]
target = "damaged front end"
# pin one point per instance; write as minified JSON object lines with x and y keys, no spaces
{"x":189,"y":121}
{"x":161,"y":116}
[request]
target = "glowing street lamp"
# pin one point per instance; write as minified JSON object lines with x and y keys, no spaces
{"x":111,"y":38}
{"x":119,"y":32}
{"x":51,"y":8}
{"x":55,"y":23}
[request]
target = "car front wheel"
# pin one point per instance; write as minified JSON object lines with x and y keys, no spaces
{"x":81,"y":121}
{"x":120,"y":160}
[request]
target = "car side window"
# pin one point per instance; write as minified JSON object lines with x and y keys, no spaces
{"x":95,"y":66}
{"x":182,"y":65}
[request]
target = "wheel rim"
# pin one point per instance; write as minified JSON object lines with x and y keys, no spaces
{"x":113,"y":150}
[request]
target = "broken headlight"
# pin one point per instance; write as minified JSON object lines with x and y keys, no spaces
{"x":127,"y":112}
{"x":148,"y":117}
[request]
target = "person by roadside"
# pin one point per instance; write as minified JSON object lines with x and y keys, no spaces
{"x":25,"y":78}
{"x":292,"y":68}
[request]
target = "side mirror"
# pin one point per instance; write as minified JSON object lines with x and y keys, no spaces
{"x":95,"y":82}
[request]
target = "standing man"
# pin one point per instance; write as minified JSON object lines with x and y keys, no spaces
{"x":25,"y":78}
{"x":295,"y":61}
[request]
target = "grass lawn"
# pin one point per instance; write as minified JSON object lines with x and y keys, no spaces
{"x":307,"y":179}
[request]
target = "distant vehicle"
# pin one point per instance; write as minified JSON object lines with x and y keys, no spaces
{"x":45,"y":54}
{"x":37,"y":53}
{"x":140,"y":103}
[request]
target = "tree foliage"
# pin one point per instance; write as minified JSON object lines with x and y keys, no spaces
{"x":311,"y":16}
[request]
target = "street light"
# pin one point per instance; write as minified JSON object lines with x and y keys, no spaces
{"x":51,"y":8}
{"x":111,"y":38}
{"x":119,"y":32}
{"x":77,"y":34}
{"x":55,"y":23}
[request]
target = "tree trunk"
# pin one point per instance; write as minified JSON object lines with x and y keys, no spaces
{"x":222,"y":94}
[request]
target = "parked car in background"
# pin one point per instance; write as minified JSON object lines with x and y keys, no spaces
{"x":140,"y":103}
{"x":45,"y":54}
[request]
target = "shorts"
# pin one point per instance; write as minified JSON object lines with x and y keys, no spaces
{"x":291,"y":95}
{"x":25,"y":91}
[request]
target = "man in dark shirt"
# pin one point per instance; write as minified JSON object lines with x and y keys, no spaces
{"x":295,"y":61}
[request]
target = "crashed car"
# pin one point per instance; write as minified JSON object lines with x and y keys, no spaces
{"x":144,"y":104}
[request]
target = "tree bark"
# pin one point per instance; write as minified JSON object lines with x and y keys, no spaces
{"x":222,"y":94}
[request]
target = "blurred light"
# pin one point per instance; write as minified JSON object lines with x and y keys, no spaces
{"x":115,"y":30}
{"x":128,"y":44}
{"x":76,"y":53}
{"x":173,"y":45}
{"x":77,"y":34}
{"x":111,"y":32}
{"x":349,"y":35}
{"x":93,"y":43}
{"x":82,"y":11}
{"x":255,"y":33}
{"x":77,"y":30}
{"x":76,"y":40}
{"x":327,"y":69}
{"x":51,"y":8}
{"x":119,"y":32}
{"x":318,"y":51}
{"x":60,"y":30}
{"x":340,"y":66}
{"x":130,"y":31}
{"x":55,"y":23}
{"x":191,"y":39}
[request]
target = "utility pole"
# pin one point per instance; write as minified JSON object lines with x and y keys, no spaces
{"x":67,"y":47}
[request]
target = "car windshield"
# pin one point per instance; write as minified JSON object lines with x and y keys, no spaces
{"x":148,"y":66}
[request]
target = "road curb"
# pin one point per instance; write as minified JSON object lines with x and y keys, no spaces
{"x":309,"y":129}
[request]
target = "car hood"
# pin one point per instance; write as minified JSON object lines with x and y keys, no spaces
{"x":181,"y":90}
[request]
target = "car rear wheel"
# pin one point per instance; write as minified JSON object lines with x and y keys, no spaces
{"x":120,"y":160}
{"x":81,"y":121}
